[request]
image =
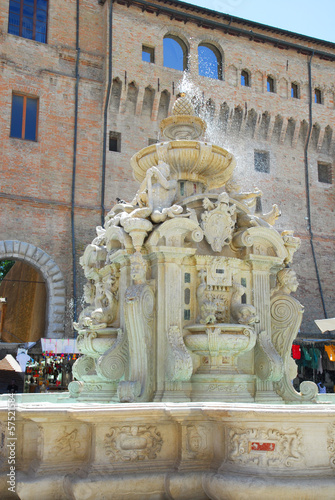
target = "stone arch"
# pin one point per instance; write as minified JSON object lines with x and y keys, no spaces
{"x":132,"y":94}
{"x":116,"y":95}
{"x":182,"y":44}
{"x":258,"y":81}
{"x":148,"y":101}
{"x":315,"y":135}
{"x":251,"y":123}
{"x":164,"y":102}
{"x":213,"y":67}
{"x":264,"y":126}
{"x":291,"y":124}
{"x":282,"y":86}
{"x":40,"y":260}
{"x":303,"y":133}
{"x":223,"y":117}
{"x":232,"y":75}
{"x":277,"y":128}
{"x":327,"y":139}
{"x":237,"y":120}
{"x":210,"y":110}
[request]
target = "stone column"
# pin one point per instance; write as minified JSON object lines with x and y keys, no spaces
{"x":261,"y":266}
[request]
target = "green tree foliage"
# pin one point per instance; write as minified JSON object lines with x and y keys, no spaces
{"x":5,"y":266}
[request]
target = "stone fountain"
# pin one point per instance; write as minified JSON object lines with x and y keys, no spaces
{"x":188,"y":289}
{"x":183,"y":390}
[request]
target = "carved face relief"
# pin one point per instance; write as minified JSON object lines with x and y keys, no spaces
{"x":287,"y":279}
{"x":196,"y":442}
{"x":138,"y":269}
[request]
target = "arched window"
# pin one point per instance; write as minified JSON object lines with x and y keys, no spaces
{"x":270,"y":84}
{"x":174,"y":53}
{"x":245,"y":78}
{"x":209,"y":61}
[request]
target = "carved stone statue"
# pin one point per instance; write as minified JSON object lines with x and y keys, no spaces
{"x":85,"y":315}
{"x":106,"y":299}
{"x":244,"y":314}
{"x":165,"y":317}
{"x":156,"y":194}
{"x":248,"y":198}
{"x":286,"y":282}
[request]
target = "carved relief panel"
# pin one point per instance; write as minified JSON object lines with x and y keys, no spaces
{"x":265,"y":447}
{"x":133,"y":443}
{"x":66,"y":443}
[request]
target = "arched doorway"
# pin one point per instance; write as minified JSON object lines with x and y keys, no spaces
{"x":24,"y":290}
{"x":48,"y":272}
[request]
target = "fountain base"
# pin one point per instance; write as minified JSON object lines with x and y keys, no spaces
{"x":184,"y":451}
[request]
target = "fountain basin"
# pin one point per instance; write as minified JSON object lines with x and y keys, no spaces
{"x":188,"y":160}
{"x":220,"y":338}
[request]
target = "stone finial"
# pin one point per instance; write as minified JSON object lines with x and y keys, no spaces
{"x":183,"y":106}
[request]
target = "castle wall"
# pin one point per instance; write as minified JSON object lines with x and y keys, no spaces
{"x":37,"y":176}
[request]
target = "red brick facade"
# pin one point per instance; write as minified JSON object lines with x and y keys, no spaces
{"x":37,"y":177}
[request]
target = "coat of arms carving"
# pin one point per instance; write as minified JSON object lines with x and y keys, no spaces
{"x":218,"y":222}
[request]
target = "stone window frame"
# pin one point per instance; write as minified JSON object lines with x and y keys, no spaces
{"x":270,"y":84}
{"x":295,"y":90}
{"x":53,"y":277}
{"x":318,"y":96}
{"x":247,"y":78}
{"x":16,"y":13}
{"x":115,"y":140}
{"x":149,"y":50}
{"x":26,"y":116}
{"x":325,"y":172}
{"x":218,"y":53}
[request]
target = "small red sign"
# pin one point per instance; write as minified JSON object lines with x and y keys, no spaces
{"x":261,"y":446}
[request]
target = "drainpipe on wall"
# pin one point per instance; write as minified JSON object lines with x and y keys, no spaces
{"x":109,"y":85}
{"x":308,"y":199}
{"x":74,"y":258}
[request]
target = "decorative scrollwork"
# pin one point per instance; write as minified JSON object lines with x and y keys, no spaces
{"x":84,"y":365}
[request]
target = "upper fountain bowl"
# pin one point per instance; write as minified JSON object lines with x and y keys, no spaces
{"x":189,"y":158}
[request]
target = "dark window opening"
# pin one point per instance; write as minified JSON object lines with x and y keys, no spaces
{"x":187,"y":295}
{"x":209,"y":61}
{"x":187,"y":314}
{"x":244,"y":296}
{"x":24,"y":117}
{"x":182,"y":188}
{"x":270,"y":84}
{"x":115,"y":142}
{"x":148,"y":54}
{"x":28,"y":19}
{"x":294,"y":91}
{"x":317,"y":96}
{"x":187,"y":278}
{"x":325,"y":173}
{"x":262,"y":161}
{"x":174,"y":53}
{"x":245,"y":79}
{"x":152,"y":141}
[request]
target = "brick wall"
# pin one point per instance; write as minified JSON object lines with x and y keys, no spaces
{"x":36,"y":177}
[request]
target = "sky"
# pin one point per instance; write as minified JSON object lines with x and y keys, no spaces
{"x":315,"y":18}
